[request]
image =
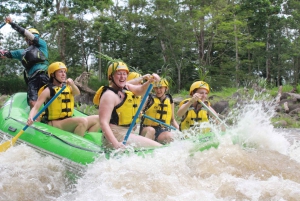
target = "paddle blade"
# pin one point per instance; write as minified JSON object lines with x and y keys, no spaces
{"x":6,"y":145}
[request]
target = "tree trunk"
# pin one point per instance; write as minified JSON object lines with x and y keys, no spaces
{"x":86,"y":94}
{"x":99,"y":59}
{"x":236,"y":57}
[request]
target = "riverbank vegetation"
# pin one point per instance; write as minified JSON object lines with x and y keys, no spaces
{"x":232,"y":45}
{"x":232,"y":42}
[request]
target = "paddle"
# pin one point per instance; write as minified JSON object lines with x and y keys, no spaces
{"x":212,"y":112}
{"x":162,"y":123}
{"x":8,"y":144}
{"x":2,"y":25}
{"x":137,"y":113}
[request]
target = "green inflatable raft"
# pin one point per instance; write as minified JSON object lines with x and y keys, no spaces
{"x":56,"y":142}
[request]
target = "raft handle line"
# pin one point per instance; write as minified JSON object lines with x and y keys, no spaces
{"x":54,"y":136}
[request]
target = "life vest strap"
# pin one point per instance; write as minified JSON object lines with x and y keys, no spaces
{"x":66,"y":110}
{"x":66,"y":100}
{"x":196,"y":119}
{"x":161,"y":112}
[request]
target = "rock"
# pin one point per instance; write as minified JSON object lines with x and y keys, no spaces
{"x":286,"y":107}
{"x":177,"y":100}
{"x":279,"y":109}
{"x":288,"y":101}
{"x":214,"y":97}
{"x":220,"y":106}
{"x":86,"y":94}
{"x":294,"y":107}
{"x":236,"y":95}
{"x":295,"y":96}
{"x":295,"y":111}
{"x":280,"y":124}
{"x":284,"y":96}
{"x":277,"y":99}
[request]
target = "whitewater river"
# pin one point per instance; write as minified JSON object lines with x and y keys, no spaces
{"x":263,"y":163}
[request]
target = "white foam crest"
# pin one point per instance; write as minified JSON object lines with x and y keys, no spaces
{"x":163,"y":175}
{"x":26,"y":175}
{"x":253,"y":128}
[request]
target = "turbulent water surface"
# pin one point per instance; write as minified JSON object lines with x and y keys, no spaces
{"x":254,"y":161}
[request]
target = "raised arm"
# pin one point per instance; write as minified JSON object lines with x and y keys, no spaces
{"x":75,"y":90}
{"x":140,"y":90}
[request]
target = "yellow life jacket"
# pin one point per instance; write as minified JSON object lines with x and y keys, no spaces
{"x":160,"y":110}
{"x":62,"y":106}
{"x":96,"y":99}
{"x":192,"y":116}
{"x":124,"y":112}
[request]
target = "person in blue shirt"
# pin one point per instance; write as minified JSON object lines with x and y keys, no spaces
{"x":34,"y":59}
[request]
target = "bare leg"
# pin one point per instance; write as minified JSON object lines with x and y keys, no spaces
{"x":165,"y":137}
{"x":76,"y":125}
{"x":141,"y":141}
{"x":93,"y":123}
{"x":148,"y":132}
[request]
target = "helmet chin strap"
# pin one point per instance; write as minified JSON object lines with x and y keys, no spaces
{"x":57,"y":80}
{"x":120,"y":88}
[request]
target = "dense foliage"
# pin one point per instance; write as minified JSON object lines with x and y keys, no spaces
{"x":227,"y":43}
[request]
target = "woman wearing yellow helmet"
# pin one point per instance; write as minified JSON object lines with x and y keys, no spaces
{"x":117,"y":108}
{"x":191,"y":110}
{"x":59,"y":113}
{"x":135,"y":76}
{"x":34,"y":59}
{"x":159,"y":106}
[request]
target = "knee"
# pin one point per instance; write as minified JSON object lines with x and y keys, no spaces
{"x":83,"y":122}
{"x":165,"y":137}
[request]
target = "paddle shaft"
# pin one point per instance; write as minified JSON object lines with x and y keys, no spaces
{"x":212,"y":112}
{"x":137,"y":114}
{"x":2,"y":25}
{"x":6,"y":145}
{"x":157,"y":121}
{"x":46,"y":106}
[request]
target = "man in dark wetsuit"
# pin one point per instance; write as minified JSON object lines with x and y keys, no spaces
{"x":34,"y":59}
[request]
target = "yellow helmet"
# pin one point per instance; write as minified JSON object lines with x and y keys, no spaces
{"x":115,"y":67}
{"x":162,"y":83}
{"x":56,"y":66}
{"x":133,"y":75}
{"x":199,"y":85}
{"x":34,"y":31}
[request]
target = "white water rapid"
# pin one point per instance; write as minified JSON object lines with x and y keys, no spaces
{"x":263,"y":163}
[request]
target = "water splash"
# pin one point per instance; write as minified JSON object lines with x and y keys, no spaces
{"x":253,"y":128}
{"x":26,"y":175}
{"x":253,"y":161}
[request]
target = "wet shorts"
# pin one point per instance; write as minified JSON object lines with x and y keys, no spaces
{"x":35,"y":82}
{"x":159,"y":130}
{"x":118,"y":131}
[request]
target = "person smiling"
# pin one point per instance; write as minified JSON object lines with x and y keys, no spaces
{"x":191,"y":110}
{"x":60,"y":111}
{"x":117,"y":107}
{"x":159,"y":106}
